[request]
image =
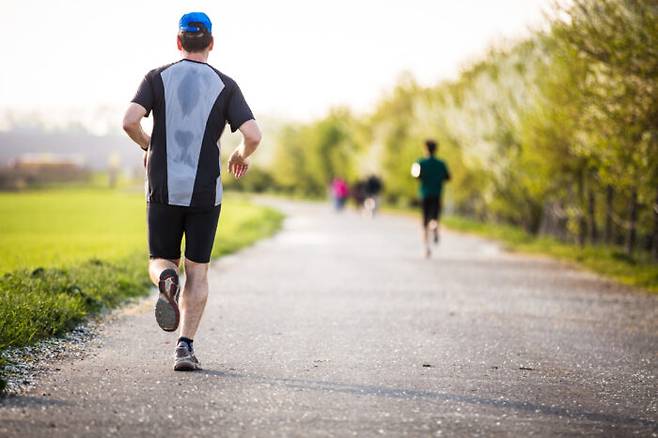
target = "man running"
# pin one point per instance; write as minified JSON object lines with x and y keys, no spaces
{"x":191,"y":103}
{"x":432,"y":173}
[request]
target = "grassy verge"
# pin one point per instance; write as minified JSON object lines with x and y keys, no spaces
{"x":68,"y":254}
{"x":611,"y":262}
{"x":639,"y":271}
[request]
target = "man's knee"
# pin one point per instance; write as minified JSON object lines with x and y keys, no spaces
{"x":159,"y":262}
{"x":196,"y":271}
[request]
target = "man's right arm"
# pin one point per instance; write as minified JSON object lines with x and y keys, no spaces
{"x":133,"y":127}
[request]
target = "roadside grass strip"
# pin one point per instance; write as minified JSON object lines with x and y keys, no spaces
{"x":611,"y":262}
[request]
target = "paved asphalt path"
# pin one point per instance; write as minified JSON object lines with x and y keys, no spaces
{"x":338,"y":327}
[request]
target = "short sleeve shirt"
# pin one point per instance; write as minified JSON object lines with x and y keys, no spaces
{"x":433,"y":173}
{"x":191,"y":103}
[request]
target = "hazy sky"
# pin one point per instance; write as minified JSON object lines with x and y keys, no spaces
{"x":292,"y":58}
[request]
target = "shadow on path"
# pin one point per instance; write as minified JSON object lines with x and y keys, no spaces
{"x":416,"y":394}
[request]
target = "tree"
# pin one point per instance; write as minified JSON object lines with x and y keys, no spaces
{"x":619,"y":40}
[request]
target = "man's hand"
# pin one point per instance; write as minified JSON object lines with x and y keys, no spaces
{"x":237,"y":165}
{"x":415,"y":170}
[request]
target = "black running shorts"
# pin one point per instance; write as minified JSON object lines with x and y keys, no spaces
{"x":168,"y":223}
{"x":431,"y":209}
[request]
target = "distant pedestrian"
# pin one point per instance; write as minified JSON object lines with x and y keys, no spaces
{"x":340,"y":192}
{"x":191,"y":103}
{"x":432,"y":174}
{"x":359,"y":194}
{"x":373,"y":187}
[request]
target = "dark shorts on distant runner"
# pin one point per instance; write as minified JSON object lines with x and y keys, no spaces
{"x":168,"y":223}
{"x":431,"y":209}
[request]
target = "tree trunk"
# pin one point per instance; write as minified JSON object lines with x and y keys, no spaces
{"x":609,"y":197}
{"x":654,"y":249}
{"x":582,"y":223}
{"x":631,"y":240}
{"x":562,"y":222}
{"x":591,"y":216}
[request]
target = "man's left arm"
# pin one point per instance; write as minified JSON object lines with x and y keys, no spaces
{"x":239,"y":116}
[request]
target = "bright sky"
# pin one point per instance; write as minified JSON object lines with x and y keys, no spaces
{"x":292,"y":58}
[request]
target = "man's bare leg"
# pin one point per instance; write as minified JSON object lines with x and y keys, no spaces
{"x":192,"y":303}
{"x":426,"y":240}
{"x":434,"y":226}
{"x":157,"y":266}
{"x":193,"y":297}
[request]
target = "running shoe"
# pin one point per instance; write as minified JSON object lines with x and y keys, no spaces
{"x":166,"y":308}
{"x":185,"y":360}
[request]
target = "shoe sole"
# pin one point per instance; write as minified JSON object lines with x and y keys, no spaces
{"x":186,"y":365}
{"x":167,"y":314}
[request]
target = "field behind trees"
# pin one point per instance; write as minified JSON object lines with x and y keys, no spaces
{"x":556,"y":134}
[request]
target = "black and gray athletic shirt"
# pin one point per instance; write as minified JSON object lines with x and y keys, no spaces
{"x":191,"y":103}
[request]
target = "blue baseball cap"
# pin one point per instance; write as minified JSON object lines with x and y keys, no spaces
{"x":184,"y":25}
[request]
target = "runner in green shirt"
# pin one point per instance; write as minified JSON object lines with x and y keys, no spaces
{"x":432,"y":174}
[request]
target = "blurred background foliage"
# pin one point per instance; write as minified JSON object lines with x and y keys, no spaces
{"x":557,"y":133}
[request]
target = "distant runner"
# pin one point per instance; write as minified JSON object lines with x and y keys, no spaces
{"x":432,"y":173}
{"x":373,"y":186}
{"x":191,"y":103}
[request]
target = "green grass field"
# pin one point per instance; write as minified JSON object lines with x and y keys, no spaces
{"x":69,"y":253}
{"x":64,"y":227}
